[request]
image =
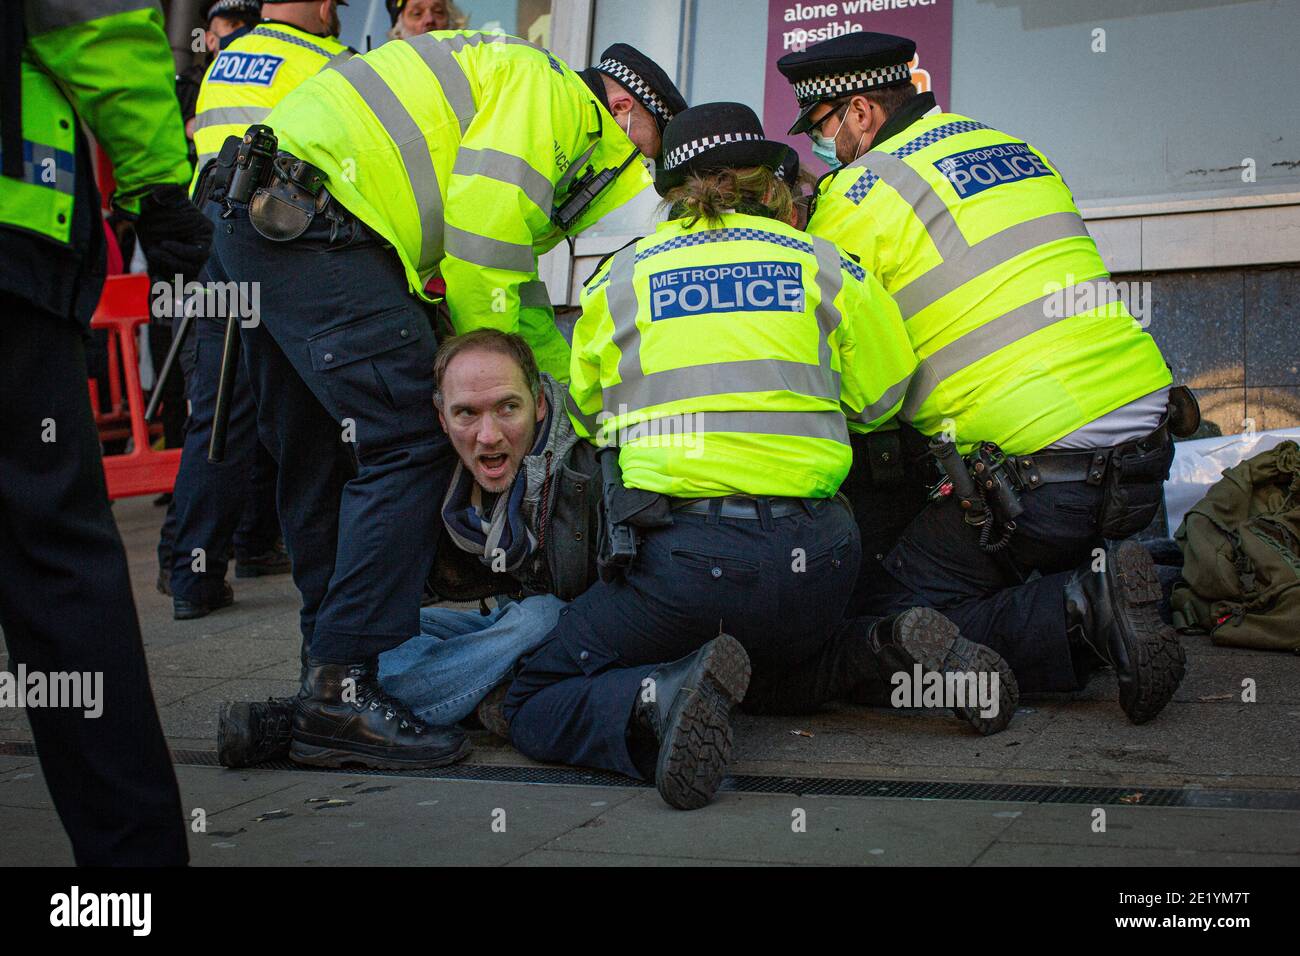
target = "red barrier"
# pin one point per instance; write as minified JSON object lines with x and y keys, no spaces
{"x":123,"y":308}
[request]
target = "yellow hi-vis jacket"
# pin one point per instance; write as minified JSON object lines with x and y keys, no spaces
{"x":724,"y":360}
{"x":106,"y":64}
{"x":1006,"y":301}
{"x":252,"y":75}
{"x":455,"y":146}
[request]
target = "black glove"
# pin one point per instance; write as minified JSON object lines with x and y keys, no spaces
{"x":175,"y":236}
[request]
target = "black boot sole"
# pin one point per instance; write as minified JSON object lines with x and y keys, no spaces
{"x":696,"y":745}
{"x":1158,"y":659}
{"x":260,"y":571}
{"x":317,"y":755}
{"x":936,"y":644}
{"x":234,"y":748}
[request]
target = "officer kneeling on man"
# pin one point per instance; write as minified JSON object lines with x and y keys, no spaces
{"x":1048,"y":408}
{"x":462,"y":155}
{"x":522,"y":523}
{"x":721,"y":356}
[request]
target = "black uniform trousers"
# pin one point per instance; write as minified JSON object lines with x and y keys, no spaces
{"x":779,"y":586}
{"x":217,"y":507}
{"x":342,"y":358}
{"x":998,"y":601}
{"x":66,"y":602}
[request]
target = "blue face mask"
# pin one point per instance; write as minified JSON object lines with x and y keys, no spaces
{"x":824,"y":149}
{"x":824,"y":146}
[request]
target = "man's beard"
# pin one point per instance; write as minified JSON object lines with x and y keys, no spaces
{"x":336,"y":27}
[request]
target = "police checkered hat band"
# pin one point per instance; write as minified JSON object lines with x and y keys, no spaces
{"x":692,"y":149}
{"x":818,"y":89}
{"x":637,"y":86}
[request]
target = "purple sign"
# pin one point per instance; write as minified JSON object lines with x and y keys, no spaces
{"x":793,"y":26}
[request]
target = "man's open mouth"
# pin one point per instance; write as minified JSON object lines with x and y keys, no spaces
{"x":493,"y":466}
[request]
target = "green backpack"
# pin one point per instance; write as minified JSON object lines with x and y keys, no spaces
{"x":1241,"y":553}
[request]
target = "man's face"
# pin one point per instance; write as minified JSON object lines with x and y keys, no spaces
{"x":490,"y":415}
{"x":421,"y":16}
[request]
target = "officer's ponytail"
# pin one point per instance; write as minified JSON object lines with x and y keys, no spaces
{"x":755,"y":190}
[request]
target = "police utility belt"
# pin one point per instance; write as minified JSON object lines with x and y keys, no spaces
{"x":987,"y":484}
{"x":284,"y":194}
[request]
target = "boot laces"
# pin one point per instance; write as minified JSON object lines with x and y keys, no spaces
{"x":370,"y":695}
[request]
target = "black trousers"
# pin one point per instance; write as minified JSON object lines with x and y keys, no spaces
{"x":342,"y":358}
{"x":217,"y":506}
{"x":66,"y":603}
{"x":1000,"y":601}
{"x":778,"y":587}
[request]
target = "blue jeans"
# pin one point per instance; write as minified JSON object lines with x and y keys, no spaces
{"x":443,"y":672}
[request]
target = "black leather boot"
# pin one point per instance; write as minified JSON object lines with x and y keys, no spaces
{"x":273,"y":561}
{"x":344,"y":718}
{"x":689,"y":715}
{"x":183,"y":610}
{"x":1113,"y":616}
{"x":924,"y":636}
{"x":253,"y":732}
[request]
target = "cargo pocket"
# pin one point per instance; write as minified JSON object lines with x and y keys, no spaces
{"x":389,"y":354}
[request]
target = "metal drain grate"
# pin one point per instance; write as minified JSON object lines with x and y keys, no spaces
{"x":1178,"y":797}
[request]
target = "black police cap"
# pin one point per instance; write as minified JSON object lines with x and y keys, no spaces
{"x":644,"y":79}
{"x":241,"y":9}
{"x":853,"y":63}
{"x":715,"y":136}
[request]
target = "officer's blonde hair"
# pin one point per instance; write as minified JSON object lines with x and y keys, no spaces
{"x":708,"y":195}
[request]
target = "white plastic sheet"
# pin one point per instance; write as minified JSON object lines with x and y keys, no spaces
{"x":1201,"y":463}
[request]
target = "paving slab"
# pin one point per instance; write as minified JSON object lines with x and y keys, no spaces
{"x":808,"y":830}
{"x":345,"y":820}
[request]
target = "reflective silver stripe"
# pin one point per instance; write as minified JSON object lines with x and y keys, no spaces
{"x":829,"y":282}
{"x":399,"y":125}
{"x":925,"y":202}
{"x":533,"y":295}
{"x":436,"y":55}
{"x":829,"y":425}
{"x":952,"y":273}
{"x":698,"y":381}
{"x":338,"y":59}
{"x":505,"y":168}
{"x":588,"y":421}
{"x":490,"y":253}
{"x":459,"y":41}
{"x":996,"y":334}
{"x":893,"y":395}
{"x":620,"y":299}
{"x":224,"y":115}
{"x":56,"y":14}
{"x":203,"y":159}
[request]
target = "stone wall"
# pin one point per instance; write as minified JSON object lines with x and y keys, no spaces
{"x":1233,"y":335}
